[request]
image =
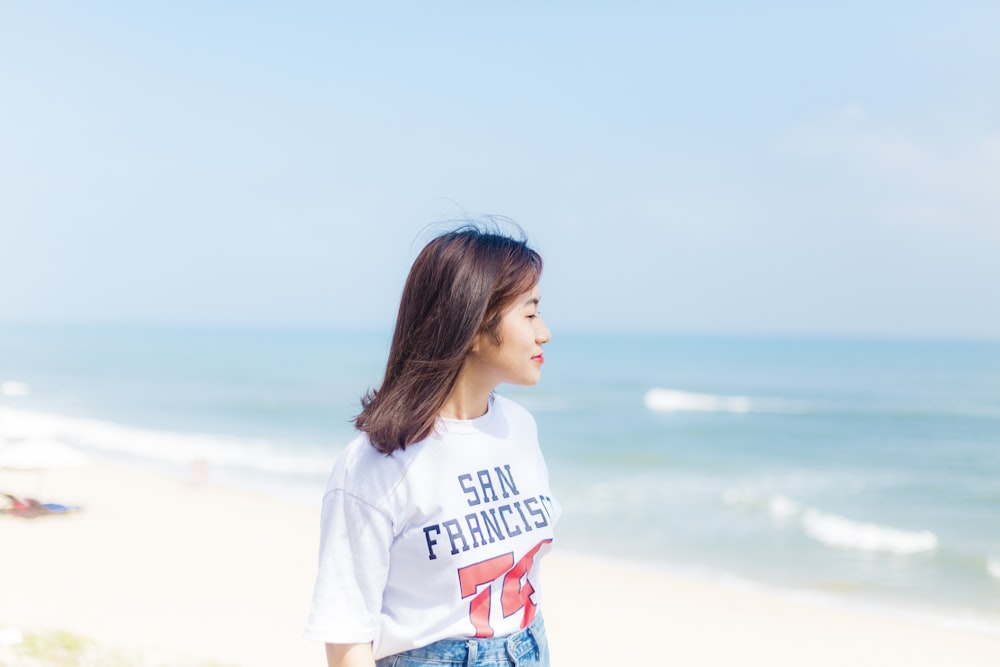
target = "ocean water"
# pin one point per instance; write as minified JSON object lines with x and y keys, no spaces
{"x":864,"y":473}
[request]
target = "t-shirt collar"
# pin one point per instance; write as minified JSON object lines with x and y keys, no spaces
{"x":477,"y":425}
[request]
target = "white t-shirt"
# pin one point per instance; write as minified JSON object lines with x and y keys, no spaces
{"x":440,"y":540}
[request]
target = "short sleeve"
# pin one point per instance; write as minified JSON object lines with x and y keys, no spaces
{"x":353,"y":567}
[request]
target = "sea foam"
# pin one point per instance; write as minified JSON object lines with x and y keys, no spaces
{"x":838,"y":531}
{"x":782,"y":507}
{"x":834,"y":530}
{"x":778,"y":506}
{"x":164,"y":446}
{"x":13,"y":388}
{"x":672,"y":400}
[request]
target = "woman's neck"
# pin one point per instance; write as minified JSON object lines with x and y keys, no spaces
{"x":468,"y":399}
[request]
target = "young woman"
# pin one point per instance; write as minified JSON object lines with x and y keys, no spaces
{"x":437,"y":514}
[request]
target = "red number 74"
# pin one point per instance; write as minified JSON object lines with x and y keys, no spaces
{"x":514,"y":596}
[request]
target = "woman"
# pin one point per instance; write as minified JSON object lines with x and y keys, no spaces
{"x":437,"y":514}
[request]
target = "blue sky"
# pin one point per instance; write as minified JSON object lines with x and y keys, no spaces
{"x":727,"y":169}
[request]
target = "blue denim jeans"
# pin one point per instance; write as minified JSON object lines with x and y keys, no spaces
{"x":527,"y":648}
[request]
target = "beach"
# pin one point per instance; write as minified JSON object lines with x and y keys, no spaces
{"x":164,"y":565}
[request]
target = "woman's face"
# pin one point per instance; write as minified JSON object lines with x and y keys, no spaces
{"x":518,"y":359}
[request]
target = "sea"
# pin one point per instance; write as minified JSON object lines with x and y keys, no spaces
{"x":863,"y":473}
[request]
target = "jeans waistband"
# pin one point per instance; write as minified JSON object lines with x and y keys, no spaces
{"x":494,"y":649}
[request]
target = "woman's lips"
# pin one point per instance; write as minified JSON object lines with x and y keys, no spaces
{"x":539,"y":358}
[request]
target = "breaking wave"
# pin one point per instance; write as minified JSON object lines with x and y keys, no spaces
{"x":671,"y":400}
{"x":834,"y":530}
{"x":13,"y":388}
{"x":843,"y":533}
{"x":170,"y":447}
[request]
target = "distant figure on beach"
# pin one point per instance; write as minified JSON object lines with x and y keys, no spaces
{"x":437,"y":514}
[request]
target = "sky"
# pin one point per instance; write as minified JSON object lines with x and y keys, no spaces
{"x":723,"y":168}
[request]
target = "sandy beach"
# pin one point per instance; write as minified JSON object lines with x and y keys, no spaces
{"x":159,"y":565}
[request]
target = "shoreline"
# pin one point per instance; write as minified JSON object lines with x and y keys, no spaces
{"x":295,"y":471}
{"x":928,"y":614}
{"x":156,"y":563}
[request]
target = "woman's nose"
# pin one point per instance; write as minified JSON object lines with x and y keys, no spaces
{"x":543,"y":335}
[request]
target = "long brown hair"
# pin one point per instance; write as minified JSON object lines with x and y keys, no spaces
{"x":458,"y":287}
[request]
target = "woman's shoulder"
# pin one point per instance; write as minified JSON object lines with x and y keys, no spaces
{"x":512,"y":409}
{"x":360,"y":451}
{"x":364,"y":471}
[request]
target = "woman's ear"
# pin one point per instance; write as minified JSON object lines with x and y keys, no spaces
{"x":476,"y":344}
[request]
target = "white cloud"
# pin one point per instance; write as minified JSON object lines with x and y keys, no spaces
{"x":948,"y":179}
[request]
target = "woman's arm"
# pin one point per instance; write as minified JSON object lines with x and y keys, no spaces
{"x":349,"y":655}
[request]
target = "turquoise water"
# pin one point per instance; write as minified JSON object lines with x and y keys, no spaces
{"x":864,"y":472}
